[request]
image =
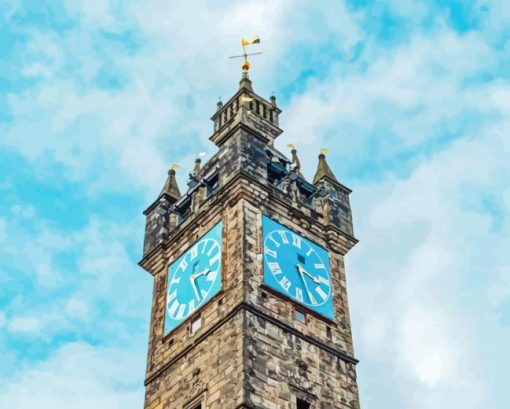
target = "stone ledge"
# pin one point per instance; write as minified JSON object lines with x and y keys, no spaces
{"x":255,"y":311}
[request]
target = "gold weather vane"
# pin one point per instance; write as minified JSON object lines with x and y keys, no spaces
{"x":245,"y":43}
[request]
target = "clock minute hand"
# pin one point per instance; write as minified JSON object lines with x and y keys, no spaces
{"x":302,"y":272}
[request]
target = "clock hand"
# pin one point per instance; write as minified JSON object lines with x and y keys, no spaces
{"x":303,"y":271}
{"x":193,"y":284}
{"x":193,"y":278}
{"x":203,"y":273}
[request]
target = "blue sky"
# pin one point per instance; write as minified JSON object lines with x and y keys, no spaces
{"x":97,"y":98}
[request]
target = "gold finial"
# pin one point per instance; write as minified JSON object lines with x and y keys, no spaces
{"x":290,"y":146}
{"x":175,"y":167}
{"x":245,"y":43}
{"x":325,"y":151}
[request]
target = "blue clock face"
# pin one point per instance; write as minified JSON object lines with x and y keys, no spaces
{"x":194,"y":278}
{"x":297,"y":268}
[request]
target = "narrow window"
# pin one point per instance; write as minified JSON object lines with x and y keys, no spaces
{"x":300,"y":316}
{"x":196,"y":325}
{"x":302,"y":404}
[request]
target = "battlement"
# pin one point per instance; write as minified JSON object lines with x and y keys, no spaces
{"x":244,"y":131}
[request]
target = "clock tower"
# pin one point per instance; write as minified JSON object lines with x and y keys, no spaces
{"x":249,"y":302}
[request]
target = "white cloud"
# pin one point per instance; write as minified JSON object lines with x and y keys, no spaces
{"x":407,"y":97}
{"x":407,"y":294}
{"x":27,"y":325}
{"x":79,"y":376}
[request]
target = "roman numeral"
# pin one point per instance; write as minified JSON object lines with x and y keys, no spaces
{"x":274,"y":241}
{"x":275,"y":268}
{"x":173,"y":308}
{"x":184,"y":264}
{"x":324,"y":281}
{"x":321,"y":293}
{"x":193,"y":252}
{"x":319,"y":266}
{"x":312,"y":300}
{"x":299,"y":294}
{"x":211,"y":277}
{"x":180,"y":313}
{"x":215,"y":258}
{"x":282,"y":234}
{"x":211,"y":250}
{"x":296,"y":241}
{"x":171,"y":296}
{"x":285,"y":283}
{"x":309,"y":252}
{"x":191,"y":306}
{"x":270,"y":252}
{"x":175,"y":280}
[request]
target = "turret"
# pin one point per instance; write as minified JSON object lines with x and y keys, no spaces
{"x":159,"y":220}
{"x":333,"y":197}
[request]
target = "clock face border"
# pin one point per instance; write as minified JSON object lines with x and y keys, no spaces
{"x":171,"y":324}
{"x":324,"y":310}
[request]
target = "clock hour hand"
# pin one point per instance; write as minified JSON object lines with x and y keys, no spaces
{"x":193,"y":284}
{"x":303,"y":271}
{"x":193,"y":278}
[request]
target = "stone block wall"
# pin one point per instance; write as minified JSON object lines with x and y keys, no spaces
{"x":282,"y":367}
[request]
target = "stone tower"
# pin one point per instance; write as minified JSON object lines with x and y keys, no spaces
{"x":250,"y":303}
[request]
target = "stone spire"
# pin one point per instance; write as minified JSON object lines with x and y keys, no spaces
{"x":323,"y":171}
{"x":245,"y":82}
{"x":171,"y":188}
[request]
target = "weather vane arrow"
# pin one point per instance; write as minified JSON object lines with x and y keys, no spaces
{"x":245,"y":43}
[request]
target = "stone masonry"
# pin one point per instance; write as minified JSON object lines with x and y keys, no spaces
{"x":250,"y":351}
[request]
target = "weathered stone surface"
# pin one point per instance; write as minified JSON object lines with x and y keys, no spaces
{"x":250,"y":352}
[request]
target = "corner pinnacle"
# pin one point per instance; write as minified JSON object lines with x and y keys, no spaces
{"x":171,"y":187}
{"x":323,"y":171}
